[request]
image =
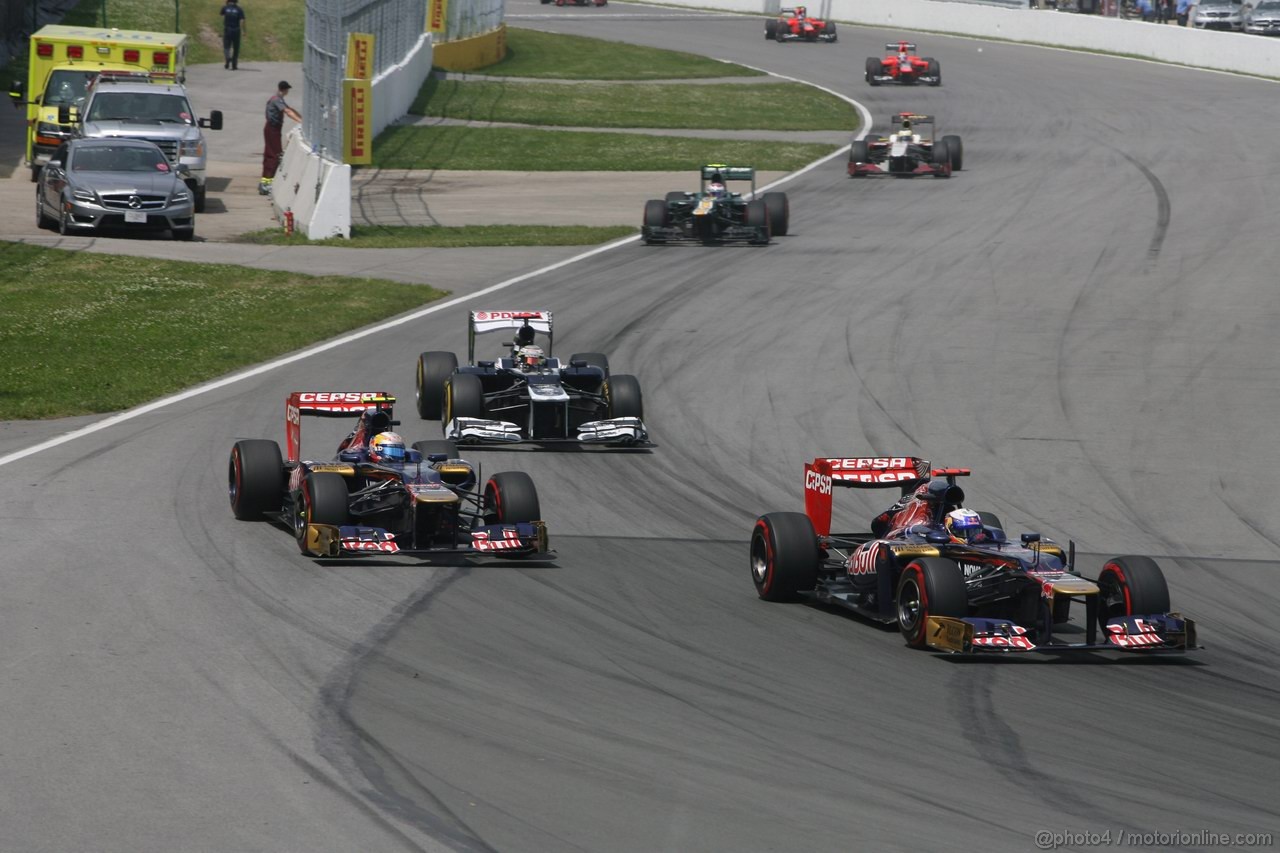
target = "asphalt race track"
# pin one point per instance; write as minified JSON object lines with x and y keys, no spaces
{"x":1084,"y":316}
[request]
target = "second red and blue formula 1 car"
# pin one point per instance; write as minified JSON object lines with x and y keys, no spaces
{"x":948,"y":576}
{"x":379,"y":497}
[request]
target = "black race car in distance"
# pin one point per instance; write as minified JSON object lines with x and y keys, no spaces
{"x":713,"y":214}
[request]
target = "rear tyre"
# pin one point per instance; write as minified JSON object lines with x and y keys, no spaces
{"x":625,"y":399}
{"x":956,"y":147}
{"x":511,"y":498}
{"x":934,"y":70}
{"x":1131,"y":586}
{"x":929,"y":586}
{"x":437,"y":446}
{"x":778,"y":209}
{"x":784,"y":556}
{"x":941,"y":157}
{"x":463,"y":397}
{"x":595,"y":359}
{"x":873,"y":70}
{"x":655,"y":213}
{"x":434,"y":369}
{"x":323,"y":500}
{"x":757,"y":216}
{"x":255,"y":478}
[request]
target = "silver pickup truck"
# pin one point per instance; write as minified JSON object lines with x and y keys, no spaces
{"x":155,"y":111}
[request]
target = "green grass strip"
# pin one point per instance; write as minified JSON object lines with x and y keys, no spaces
{"x":723,"y":106}
{"x":101,"y":333}
{"x":531,"y":53}
{"x":522,"y":150}
{"x":443,"y":237}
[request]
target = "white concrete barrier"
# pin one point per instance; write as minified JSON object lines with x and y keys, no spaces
{"x":1168,"y":43}
{"x":316,"y":191}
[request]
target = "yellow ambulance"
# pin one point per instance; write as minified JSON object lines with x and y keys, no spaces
{"x":64,"y":60}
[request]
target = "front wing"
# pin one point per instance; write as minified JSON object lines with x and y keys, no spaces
{"x":1168,"y":632}
{"x":495,"y":540}
{"x":629,"y":432}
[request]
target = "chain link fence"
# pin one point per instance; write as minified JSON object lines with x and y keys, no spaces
{"x":396,"y":26}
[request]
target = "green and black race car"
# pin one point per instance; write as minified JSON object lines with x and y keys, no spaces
{"x":715,"y":215}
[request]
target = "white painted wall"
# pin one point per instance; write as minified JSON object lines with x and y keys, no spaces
{"x":1168,"y":43}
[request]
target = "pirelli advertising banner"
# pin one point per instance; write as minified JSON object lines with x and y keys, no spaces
{"x":437,"y":13}
{"x":360,"y":56}
{"x":357,"y":122}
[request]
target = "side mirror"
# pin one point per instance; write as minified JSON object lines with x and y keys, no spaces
{"x":53,"y":164}
{"x":18,"y":92}
{"x":213,"y":122}
{"x":67,"y":115}
{"x":1030,"y":538}
{"x":184,"y":170}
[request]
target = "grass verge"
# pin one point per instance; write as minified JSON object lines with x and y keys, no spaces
{"x":272,"y":33}
{"x":719,"y":106}
{"x":531,"y":53}
{"x":100,"y":333}
{"x":521,"y":150}
{"x":440,"y":237}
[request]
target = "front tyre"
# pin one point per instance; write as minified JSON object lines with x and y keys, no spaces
{"x":511,"y":498}
{"x":625,"y":400}
{"x":323,"y":500}
{"x":956,"y":149}
{"x":434,"y":369}
{"x":934,"y":70}
{"x":463,"y":397}
{"x":784,"y":556}
{"x":255,"y":478}
{"x":874,"y":67}
{"x":1131,"y":586}
{"x":929,"y":586}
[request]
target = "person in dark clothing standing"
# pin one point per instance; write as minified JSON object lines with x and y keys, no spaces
{"x":232,"y":28}
{"x":272,"y":148}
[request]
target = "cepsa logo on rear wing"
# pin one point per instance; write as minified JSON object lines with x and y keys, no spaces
{"x":868,"y":472}
{"x":327,"y":404}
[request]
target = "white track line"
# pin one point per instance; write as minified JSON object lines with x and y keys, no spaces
{"x":121,"y":417}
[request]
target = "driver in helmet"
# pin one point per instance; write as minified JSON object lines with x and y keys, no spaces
{"x":531,"y":359}
{"x":965,"y":526}
{"x":716,"y":188}
{"x":802,"y":12}
{"x":387,"y":448}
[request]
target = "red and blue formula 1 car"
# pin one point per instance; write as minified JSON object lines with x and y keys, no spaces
{"x":949,"y":578}
{"x":421,"y":501}
{"x":903,"y":66}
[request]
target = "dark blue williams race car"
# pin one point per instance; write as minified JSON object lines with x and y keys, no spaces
{"x":377,"y":496}
{"x":948,"y":576}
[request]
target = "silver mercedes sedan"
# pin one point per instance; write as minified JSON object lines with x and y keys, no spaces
{"x":123,"y":185}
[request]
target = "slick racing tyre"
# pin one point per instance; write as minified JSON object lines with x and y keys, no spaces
{"x":941,"y":156}
{"x":434,"y":369}
{"x":784,"y":556}
{"x":757,"y":216}
{"x":770,"y":29}
{"x":255,"y":478}
{"x":957,"y":151}
{"x":510,"y":498}
{"x":934,"y":70}
{"x":323,"y":500}
{"x":831,"y":30}
{"x":859,"y":152}
{"x":1131,"y":586}
{"x":463,"y":397}
{"x":929,"y":586}
{"x":623,"y":393}
{"x":873,"y":70}
{"x":655,"y":212}
{"x":779,"y":211}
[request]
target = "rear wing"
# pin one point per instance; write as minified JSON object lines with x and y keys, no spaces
{"x":862,"y":472}
{"x":327,"y":404}
{"x":900,"y":45}
{"x":713,"y":171}
{"x":484,"y":322}
{"x":898,"y":118}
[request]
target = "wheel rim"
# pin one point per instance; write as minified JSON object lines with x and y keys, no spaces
{"x":233,"y":485}
{"x":417,"y":394}
{"x":759,"y":561}
{"x":1112,"y":600}
{"x":303,"y":515}
{"x":910,"y":607}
